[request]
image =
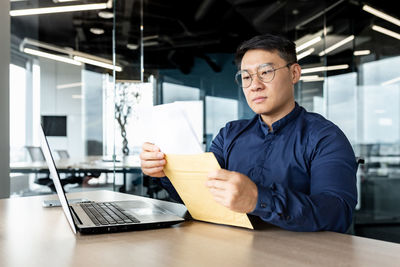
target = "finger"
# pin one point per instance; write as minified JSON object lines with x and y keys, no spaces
{"x":216,"y":184}
{"x":217,"y":193}
{"x":151,"y":155}
{"x":220,"y":174}
{"x":221,"y":200}
{"x":154,"y":172}
{"x":152,"y":163}
{"x":150,"y":147}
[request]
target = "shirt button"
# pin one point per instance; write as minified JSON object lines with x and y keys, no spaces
{"x":263,"y":205}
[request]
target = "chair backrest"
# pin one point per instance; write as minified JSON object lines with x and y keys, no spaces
{"x":35,"y":153}
{"x":63,"y":154}
{"x":360,"y":160}
{"x":94,"y":148}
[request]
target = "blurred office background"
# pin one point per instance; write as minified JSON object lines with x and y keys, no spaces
{"x":79,"y":70}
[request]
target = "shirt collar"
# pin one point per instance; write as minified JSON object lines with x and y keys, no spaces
{"x":276,"y":126}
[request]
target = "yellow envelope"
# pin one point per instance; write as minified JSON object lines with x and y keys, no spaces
{"x":188,"y":174}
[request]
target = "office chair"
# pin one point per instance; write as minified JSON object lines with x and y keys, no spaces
{"x":63,"y":154}
{"x":152,"y":188}
{"x":80,"y":177}
{"x":36,"y":155}
{"x":351,"y":230}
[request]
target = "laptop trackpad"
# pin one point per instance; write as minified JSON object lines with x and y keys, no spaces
{"x":140,"y":208}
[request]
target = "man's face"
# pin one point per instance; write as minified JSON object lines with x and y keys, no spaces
{"x":273,"y":99}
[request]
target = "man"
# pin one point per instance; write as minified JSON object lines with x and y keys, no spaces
{"x":291,"y":168}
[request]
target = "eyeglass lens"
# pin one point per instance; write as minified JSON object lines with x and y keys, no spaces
{"x":264,"y":72}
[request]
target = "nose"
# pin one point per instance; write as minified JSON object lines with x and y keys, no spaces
{"x":256,"y":84}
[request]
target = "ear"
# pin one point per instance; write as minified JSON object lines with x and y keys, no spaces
{"x":296,"y":72}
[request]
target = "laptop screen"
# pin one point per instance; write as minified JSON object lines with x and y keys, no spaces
{"x":56,"y":178}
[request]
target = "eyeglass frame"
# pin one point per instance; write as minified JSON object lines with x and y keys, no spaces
{"x":258,"y":76}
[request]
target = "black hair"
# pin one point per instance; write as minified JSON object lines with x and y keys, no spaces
{"x":268,"y":42}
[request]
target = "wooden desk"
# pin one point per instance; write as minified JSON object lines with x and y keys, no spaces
{"x":89,"y":164}
{"x":33,"y":236}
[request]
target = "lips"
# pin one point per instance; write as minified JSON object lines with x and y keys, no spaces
{"x":259,"y":99}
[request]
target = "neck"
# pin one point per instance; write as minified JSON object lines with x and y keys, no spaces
{"x":269,"y":119}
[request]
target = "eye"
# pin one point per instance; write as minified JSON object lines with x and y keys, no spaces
{"x":265,"y":72}
{"x":245,"y":75}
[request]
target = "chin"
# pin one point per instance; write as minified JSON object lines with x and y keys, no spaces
{"x":261,"y":111}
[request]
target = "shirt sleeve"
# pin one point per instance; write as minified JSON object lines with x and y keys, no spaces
{"x":217,"y":147}
{"x":165,"y":183}
{"x":333,"y":193}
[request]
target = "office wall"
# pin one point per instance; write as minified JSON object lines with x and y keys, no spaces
{"x":93,"y":111}
{"x":4,"y":99}
{"x":202,"y":76}
{"x":216,"y":84}
{"x":56,"y":100}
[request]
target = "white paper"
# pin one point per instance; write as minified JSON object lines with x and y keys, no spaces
{"x":168,"y":127}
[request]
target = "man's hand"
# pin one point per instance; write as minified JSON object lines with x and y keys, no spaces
{"x":233,"y":190}
{"x":152,"y":160}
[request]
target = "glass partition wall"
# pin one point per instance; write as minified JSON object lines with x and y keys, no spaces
{"x":348,"y":52}
{"x":60,"y":75}
{"x":357,"y":88}
{"x":154,"y":53}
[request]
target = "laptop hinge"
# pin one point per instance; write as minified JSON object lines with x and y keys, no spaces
{"x":75,"y":216}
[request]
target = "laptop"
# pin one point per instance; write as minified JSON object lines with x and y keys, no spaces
{"x":102,"y":217}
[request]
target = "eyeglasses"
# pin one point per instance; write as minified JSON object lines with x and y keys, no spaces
{"x":265,"y":73}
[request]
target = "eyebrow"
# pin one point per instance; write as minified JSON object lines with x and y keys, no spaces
{"x":269,"y":63}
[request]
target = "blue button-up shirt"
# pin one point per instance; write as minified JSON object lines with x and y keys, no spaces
{"x":304,"y":169}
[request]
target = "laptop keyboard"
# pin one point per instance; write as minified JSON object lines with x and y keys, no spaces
{"x":107,"y":214}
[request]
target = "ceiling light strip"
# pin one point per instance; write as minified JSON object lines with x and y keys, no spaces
{"x":51,"y":56}
{"x":319,"y":79}
{"x":325,"y":68}
{"x":311,"y":78}
{"x":59,"y":9}
{"x":97,"y":63}
{"x":337,"y":45}
{"x":381,"y":15}
{"x":395,"y":80}
{"x":69,"y":85}
{"x":308,"y":77}
{"x":305,"y":53}
{"x":362,"y":52}
{"x":386,"y":31}
{"x":308,"y":43}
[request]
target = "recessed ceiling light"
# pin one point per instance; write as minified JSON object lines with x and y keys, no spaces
{"x":105,"y":15}
{"x":97,"y":31}
{"x":132,"y":46}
